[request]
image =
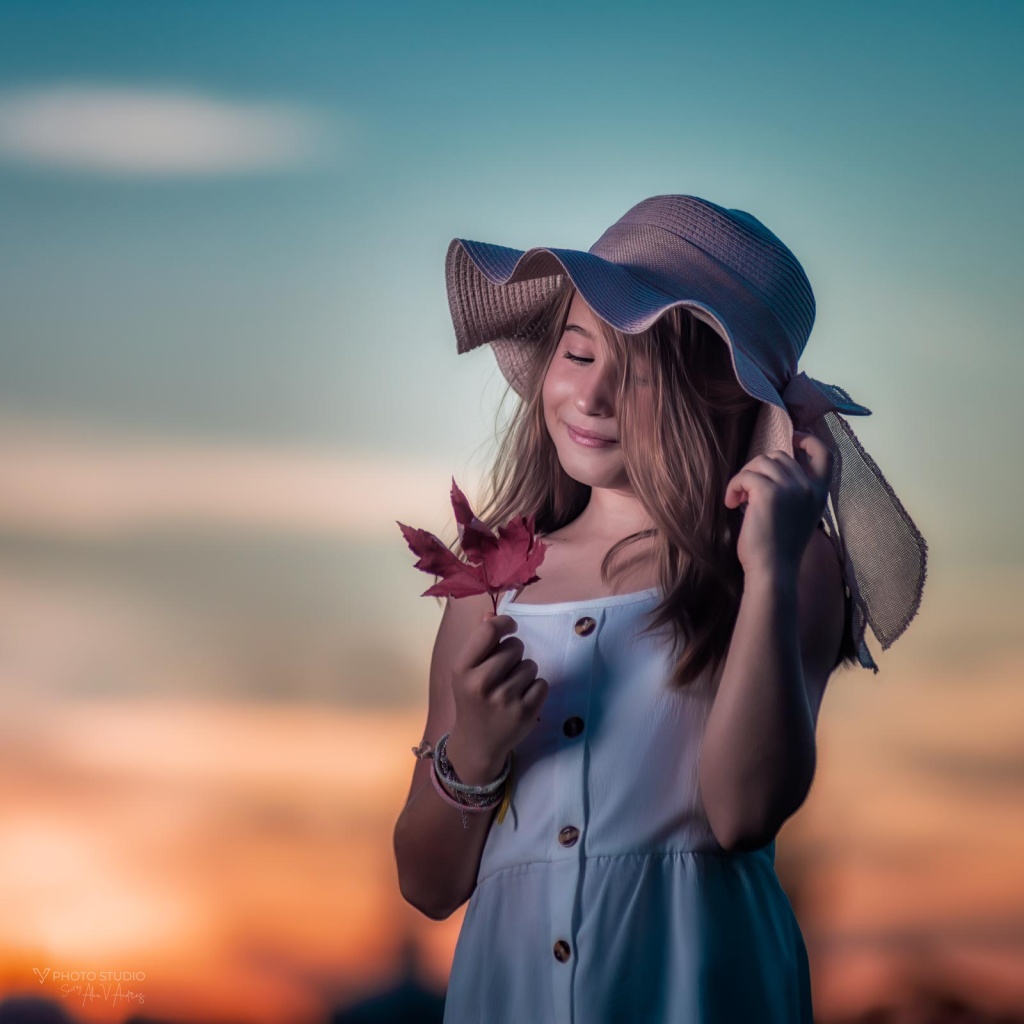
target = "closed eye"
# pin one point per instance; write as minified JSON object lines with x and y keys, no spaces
{"x":577,"y":359}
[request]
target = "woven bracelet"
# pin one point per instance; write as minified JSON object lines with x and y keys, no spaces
{"x":424,"y":750}
{"x":447,"y":772}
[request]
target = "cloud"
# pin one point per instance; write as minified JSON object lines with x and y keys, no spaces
{"x":56,"y":482}
{"x":128,"y":132}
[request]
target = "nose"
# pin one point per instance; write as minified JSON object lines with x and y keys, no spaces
{"x":595,"y":395}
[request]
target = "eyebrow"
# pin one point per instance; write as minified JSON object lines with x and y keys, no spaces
{"x":582,"y":330}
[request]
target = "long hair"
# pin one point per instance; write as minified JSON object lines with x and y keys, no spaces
{"x":685,"y":425}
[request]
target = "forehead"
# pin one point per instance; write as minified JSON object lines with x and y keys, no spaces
{"x":581,"y":314}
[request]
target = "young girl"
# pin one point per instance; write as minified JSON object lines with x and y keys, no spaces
{"x":657,"y":689}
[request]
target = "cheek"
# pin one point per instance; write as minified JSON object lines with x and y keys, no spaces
{"x":552,"y":392}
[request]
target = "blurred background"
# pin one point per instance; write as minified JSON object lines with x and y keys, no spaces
{"x":228,"y":368}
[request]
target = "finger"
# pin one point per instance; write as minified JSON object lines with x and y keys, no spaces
{"x":742,"y":485}
{"x":535,"y":694}
{"x":487,"y":636}
{"x":735,"y":495}
{"x":775,"y":466}
{"x":816,"y":464}
{"x":507,"y":656}
{"x":520,"y":680}
{"x":818,"y":455}
{"x":763,"y":468}
{"x":793,"y":469}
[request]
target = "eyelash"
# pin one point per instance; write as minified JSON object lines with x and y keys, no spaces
{"x":581,"y":360}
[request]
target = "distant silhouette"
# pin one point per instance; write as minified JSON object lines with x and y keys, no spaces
{"x":929,"y":998}
{"x":157,"y":1020}
{"x":409,"y":1000}
{"x":33,"y":1010}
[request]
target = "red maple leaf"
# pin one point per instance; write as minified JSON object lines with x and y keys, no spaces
{"x":495,"y":563}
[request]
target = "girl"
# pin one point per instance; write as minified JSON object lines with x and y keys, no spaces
{"x":657,"y":689}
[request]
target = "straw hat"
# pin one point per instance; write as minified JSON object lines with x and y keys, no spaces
{"x":731,"y":272}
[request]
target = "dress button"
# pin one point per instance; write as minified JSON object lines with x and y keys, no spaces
{"x":585,"y":626}
{"x":572,"y":726}
{"x":569,"y":835}
{"x":562,"y":951}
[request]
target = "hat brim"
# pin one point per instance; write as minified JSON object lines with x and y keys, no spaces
{"x":493,"y":291}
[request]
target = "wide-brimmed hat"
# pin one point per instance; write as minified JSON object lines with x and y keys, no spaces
{"x":731,"y":272}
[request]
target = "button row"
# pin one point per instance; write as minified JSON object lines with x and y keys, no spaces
{"x":570,"y":835}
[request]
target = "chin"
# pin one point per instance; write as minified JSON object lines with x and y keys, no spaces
{"x":590,"y":474}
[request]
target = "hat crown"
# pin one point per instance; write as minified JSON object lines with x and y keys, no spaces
{"x":666,"y":238}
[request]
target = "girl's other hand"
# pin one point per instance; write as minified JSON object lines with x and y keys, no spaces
{"x":785,"y":500}
{"x":497,"y":697}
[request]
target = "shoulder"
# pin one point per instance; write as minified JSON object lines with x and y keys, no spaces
{"x":821,"y":551}
{"x":822,"y":614}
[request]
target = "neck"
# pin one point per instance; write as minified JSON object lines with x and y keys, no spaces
{"x":612,"y":515}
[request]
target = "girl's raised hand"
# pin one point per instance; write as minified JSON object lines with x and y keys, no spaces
{"x":497,"y":699}
{"x":785,"y":500}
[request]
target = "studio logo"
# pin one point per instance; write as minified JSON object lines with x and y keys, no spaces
{"x":110,"y":986}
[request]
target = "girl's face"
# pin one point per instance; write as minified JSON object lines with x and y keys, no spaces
{"x":579,"y":395}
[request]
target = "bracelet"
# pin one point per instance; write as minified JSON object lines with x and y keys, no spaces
{"x":467,"y":798}
{"x":470,"y":800}
{"x":456,"y":802}
{"x":447,"y":798}
{"x":447,"y":772}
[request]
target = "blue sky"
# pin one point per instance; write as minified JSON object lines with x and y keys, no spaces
{"x":228,"y":367}
{"x":227,"y":222}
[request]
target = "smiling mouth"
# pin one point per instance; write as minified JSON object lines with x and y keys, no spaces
{"x":590,"y":442}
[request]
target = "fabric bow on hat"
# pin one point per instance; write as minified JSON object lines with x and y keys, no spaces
{"x":884,"y":556}
{"x":731,"y":272}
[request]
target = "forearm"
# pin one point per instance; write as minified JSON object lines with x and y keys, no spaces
{"x":758,"y":753}
{"x":438,"y":859}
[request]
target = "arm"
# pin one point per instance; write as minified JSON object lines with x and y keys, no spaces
{"x":437,"y":858}
{"x":758,"y":756}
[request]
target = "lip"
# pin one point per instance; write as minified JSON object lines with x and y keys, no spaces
{"x":588,"y":439}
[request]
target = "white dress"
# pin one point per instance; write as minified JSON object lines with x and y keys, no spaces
{"x":604,"y":896}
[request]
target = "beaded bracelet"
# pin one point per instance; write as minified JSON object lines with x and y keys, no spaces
{"x":447,"y":772}
{"x":447,"y":798}
{"x":459,"y":800}
{"x":472,"y":798}
{"x":466,"y":798}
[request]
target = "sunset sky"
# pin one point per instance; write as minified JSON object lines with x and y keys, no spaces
{"x":229,"y":368}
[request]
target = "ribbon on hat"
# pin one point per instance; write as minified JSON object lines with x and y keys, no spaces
{"x":883,"y":553}
{"x":807,"y":398}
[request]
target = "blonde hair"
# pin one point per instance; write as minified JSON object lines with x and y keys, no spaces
{"x":683,"y":436}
